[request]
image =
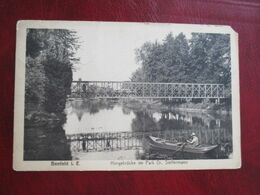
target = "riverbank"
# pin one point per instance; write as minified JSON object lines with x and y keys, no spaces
{"x":166,"y":106}
{"x":204,"y":107}
{"x":44,"y":136}
{"x":42,"y":118}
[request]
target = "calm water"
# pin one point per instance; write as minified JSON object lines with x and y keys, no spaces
{"x":119,"y":130}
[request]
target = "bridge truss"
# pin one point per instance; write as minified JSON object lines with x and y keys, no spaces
{"x":126,"y":89}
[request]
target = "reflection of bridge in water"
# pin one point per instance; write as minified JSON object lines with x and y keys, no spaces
{"x":95,"y":142}
{"x":127,"y":89}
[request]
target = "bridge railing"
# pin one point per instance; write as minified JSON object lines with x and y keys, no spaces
{"x":116,"y":89}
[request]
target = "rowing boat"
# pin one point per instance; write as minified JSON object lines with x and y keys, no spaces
{"x":179,"y":146}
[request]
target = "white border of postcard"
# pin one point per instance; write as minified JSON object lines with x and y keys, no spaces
{"x":105,"y":165}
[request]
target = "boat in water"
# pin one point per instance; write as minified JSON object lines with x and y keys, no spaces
{"x":160,"y":143}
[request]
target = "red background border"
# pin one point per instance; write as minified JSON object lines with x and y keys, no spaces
{"x":243,"y":16}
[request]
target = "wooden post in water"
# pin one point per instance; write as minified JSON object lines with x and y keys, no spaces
{"x":96,"y":140}
{"x":206,"y":136}
{"x":218,"y":136}
{"x":132,"y":141}
{"x":87,"y":144}
{"x":120,"y":140}
{"x":128,"y":137}
{"x":112,"y":143}
{"x":212,"y":137}
{"x":103,"y":140}
{"x":116,"y":134}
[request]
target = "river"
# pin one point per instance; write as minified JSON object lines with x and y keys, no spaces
{"x":117,"y":129}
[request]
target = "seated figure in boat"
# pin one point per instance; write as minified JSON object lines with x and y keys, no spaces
{"x":194,"y":141}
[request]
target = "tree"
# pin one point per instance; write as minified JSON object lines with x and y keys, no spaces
{"x":176,"y":57}
{"x":138,"y":76}
{"x":210,"y":57}
{"x":205,"y":58}
{"x":35,"y":82}
{"x":50,"y":55}
{"x":150,"y":57}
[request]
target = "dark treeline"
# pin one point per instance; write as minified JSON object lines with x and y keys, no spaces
{"x":205,"y":58}
{"x":49,"y":63}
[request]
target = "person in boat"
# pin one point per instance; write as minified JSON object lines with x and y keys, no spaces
{"x":84,"y":88}
{"x":194,"y":141}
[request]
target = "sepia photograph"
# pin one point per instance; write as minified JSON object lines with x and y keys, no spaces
{"x":126,"y":96}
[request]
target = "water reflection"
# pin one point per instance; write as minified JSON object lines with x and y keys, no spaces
{"x":45,"y":143}
{"x":105,"y":129}
{"x":108,"y":116}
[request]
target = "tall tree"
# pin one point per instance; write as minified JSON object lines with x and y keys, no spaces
{"x":205,"y":58}
{"x":176,"y":57}
{"x":210,"y":57}
{"x":50,"y":55}
{"x":150,"y":58}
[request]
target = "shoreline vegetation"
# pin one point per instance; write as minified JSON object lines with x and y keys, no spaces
{"x":204,"y":58}
{"x":206,"y":107}
{"x":50,"y":57}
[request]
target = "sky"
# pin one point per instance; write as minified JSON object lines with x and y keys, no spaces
{"x":107,"y":51}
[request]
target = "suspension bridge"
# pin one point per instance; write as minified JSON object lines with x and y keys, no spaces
{"x":127,"y":89}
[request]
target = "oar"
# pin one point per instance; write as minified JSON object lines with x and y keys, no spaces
{"x":181,"y":148}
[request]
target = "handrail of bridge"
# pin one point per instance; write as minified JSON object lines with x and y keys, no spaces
{"x":128,"y":89}
{"x":134,"y":82}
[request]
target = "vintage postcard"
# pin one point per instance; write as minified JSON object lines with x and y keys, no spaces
{"x":126,"y":96}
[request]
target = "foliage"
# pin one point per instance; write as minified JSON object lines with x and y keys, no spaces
{"x":35,"y":81}
{"x":50,"y":55}
{"x":205,"y":58}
